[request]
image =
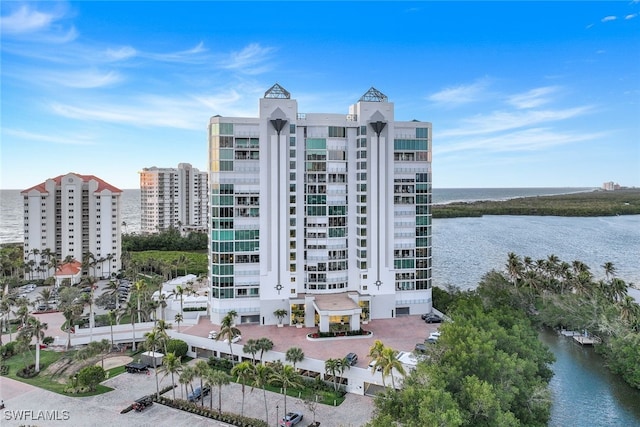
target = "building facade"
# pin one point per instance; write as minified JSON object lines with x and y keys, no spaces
{"x":173,"y":198}
{"x":325,"y":216}
{"x":72,"y":217}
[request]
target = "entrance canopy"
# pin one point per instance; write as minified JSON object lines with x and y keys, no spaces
{"x":338,"y":312}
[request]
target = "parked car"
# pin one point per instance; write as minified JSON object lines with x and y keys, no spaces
{"x":198,"y":393}
{"x":213,"y":335}
{"x":234,"y":340}
{"x":134,"y":368}
{"x":41,"y":307}
{"x":352,"y":358}
{"x":433,"y":337}
{"x":431,"y":318}
{"x":142,"y":403}
{"x":421,"y":348}
{"x":291,"y":419}
{"x":372,"y":364}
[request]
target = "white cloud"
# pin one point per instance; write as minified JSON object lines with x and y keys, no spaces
{"x":500,"y":121}
{"x":26,"y":20}
{"x":462,"y":94}
{"x":608,"y":18}
{"x":83,"y":79}
{"x":119,"y":54}
{"x":24,"y":135}
{"x":250,"y":60}
{"x":631,"y":16}
{"x":532,"y":98}
{"x":533,"y":139}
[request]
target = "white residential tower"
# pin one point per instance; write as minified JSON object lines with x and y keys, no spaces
{"x":327,"y":216}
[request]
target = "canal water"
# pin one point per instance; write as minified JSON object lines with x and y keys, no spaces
{"x":585,"y":393}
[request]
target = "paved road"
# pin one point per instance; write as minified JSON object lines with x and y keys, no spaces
{"x":25,"y":401}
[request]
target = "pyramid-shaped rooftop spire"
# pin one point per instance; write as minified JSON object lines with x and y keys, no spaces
{"x":374,"y":95}
{"x":278,"y":92}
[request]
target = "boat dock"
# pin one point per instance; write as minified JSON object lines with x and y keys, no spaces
{"x":582,"y":340}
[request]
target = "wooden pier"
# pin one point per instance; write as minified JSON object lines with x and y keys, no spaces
{"x":582,"y":340}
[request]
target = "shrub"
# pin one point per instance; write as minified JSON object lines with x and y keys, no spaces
{"x":178,"y":347}
{"x":48,"y":340}
{"x":91,"y":376}
{"x":8,"y":350}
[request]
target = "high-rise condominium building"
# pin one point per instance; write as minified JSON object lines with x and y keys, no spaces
{"x":69,"y":217}
{"x":173,"y":198}
{"x":325,"y":216}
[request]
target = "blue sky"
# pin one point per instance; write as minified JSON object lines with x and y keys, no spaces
{"x":539,"y":94}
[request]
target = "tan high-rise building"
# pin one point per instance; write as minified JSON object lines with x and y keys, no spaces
{"x":173,"y":198}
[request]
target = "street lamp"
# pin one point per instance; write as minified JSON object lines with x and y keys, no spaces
{"x":277,"y":416}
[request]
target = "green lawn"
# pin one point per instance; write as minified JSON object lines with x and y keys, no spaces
{"x":45,"y":381}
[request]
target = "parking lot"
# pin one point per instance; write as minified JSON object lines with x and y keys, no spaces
{"x":25,"y":401}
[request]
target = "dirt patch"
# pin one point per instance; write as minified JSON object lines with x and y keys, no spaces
{"x":114,"y":362}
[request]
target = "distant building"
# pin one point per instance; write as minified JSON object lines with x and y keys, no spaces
{"x":611,"y":186}
{"x":173,"y":198}
{"x":72,"y":217}
{"x":326,"y":216}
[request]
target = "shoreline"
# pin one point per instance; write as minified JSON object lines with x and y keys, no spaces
{"x":579,"y":204}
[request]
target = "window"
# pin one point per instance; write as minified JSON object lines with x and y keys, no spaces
{"x":337,"y":132}
{"x":422,"y":132}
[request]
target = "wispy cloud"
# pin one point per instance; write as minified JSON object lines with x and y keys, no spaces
{"x":27,"y":136}
{"x":500,"y":121}
{"x":28,"y":23}
{"x":121,"y":53}
{"x":26,"y":20}
{"x":631,"y":16}
{"x":462,"y":94}
{"x":83,"y":79}
{"x":178,"y":112}
{"x":608,"y":18}
{"x":532,"y":98}
{"x":183,"y":56}
{"x":532,"y":139}
{"x":250,"y":60}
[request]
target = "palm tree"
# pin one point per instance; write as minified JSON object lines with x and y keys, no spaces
{"x":609,"y":270}
{"x":178,"y":319}
{"x":186,"y":377}
{"x":333,"y":366}
{"x":151,"y":343}
{"x":389,"y":363}
{"x":36,"y":328}
{"x":171,"y":364}
{"x":45,"y":296}
{"x":514,"y":268}
{"x":112,"y":315}
{"x":131,"y":310}
{"x":243,"y":371}
{"x":251,"y":348}
{"x":228,"y":332}
{"x":218,"y":378}
{"x":201,"y":369}
{"x":179,"y":291}
{"x":261,"y":375}
{"x":140,"y":286}
{"x":294,"y":355}
{"x":286,"y":377}
{"x":264,"y":344}
{"x":162,"y":327}
{"x":375,"y":352}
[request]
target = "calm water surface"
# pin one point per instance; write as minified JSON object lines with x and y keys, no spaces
{"x":585,"y":393}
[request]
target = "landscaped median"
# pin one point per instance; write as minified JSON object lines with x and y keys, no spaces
{"x":234,"y":419}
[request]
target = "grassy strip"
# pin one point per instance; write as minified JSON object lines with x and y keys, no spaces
{"x":596,"y":203}
{"x":324,"y":397}
{"x":45,"y":381}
